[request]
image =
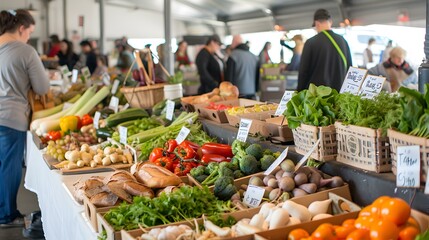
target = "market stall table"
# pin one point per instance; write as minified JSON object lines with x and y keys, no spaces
{"x":62,"y":217}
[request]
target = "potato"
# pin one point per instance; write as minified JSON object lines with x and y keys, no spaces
{"x":286,"y":184}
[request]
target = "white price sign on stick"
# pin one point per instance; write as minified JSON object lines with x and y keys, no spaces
{"x":123,"y":134}
{"x":75,"y":73}
{"x":307,"y":155}
{"x":65,"y":70}
{"x":97,"y":116}
{"x":243,"y":130}
{"x":283,"y":103}
{"x":408,"y":166}
{"x":183,"y":134}
{"x":86,"y":73}
{"x":106,"y":79}
{"x":115,"y":86}
{"x":277,"y":162}
{"x":372,"y":86}
{"x":114,"y":104}
{"x":170,"y":110}
{"x":353,"y":80}
{"x":253,"y":196}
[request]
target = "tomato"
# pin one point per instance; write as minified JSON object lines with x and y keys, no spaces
{"x":395,"y":210}
{"x":408,"y":233}
{"x":207,"y":158}
{"x":349,"y":222}
{"x":365,"y":222}
{"x":54,"y":135}
{"x":413,"y":222}
{"x":185,"y":151}
{"x":155,"y":154}
{"x":298,"y":234}
{"x":366,"y":211}
{"x":170,"y":145}
{"x":325,"y":231}
{"x":384,"y":230}
{"x":182,"y":169}
{"x":164,"y":162}
{"x":359,"y":234}
{"x":217,"y":148}
{"x":86,"y":120}
{"x":343,"y":231}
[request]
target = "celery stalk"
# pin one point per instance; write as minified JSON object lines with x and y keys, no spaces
{"x":51,"y":111}
{"x":99,"y":96}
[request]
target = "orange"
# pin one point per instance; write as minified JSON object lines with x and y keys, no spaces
{"x":298,"y":234}
{"x":379,"y":201}
{"x":365,"y":222}
{"x":359,"y":234}
{"x":342,"y":232}
{"x":325,"y":231}
{"x":412,"y":222}
{"x":349,"y":222}
{"x":384,"y":230}
{"x":408,"y":233}
{"x":395,"y":210}
{"x":366,"y":211}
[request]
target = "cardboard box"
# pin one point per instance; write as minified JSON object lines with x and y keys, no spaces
{"x":285,"y":133}
{"x":273,"y":86}
{"x":271,"y":71}
{"x":259,"y":125}
{"x":219,"y":115}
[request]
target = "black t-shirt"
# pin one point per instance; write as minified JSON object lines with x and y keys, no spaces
{"x":321,"y":64}
{"x":209,"y":71}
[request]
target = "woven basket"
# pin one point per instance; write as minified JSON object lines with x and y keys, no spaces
{"x":363,"y":147}
{"x":305,"y":136}
{"x":144,"y":97}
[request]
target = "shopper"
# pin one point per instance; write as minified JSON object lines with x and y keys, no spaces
{"x":54,"y":48}
{"x":242,"y":69}
{"x":326,"y":56}
{"x":101,"y":67}
{"x":66,"y":56}
{"x":20,"y":71}
{"x":396,"y":70}
{"x":181,"y":55}
{"x":90,"y":58}
{"x":386,"y":52}
{"x":208,"y":67}
{"x":368,"y":56}
{"x":125,"y":58}
{"x":297,"y":52}
{"x":264,"y":57}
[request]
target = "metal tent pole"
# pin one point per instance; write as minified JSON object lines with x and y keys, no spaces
{"x":102,"y":37}
{"x":169,"y":61}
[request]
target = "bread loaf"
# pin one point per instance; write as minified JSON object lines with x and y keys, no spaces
{"x":138,"y":189}
{"x":104,"y":199}
{"x":154,"y":176}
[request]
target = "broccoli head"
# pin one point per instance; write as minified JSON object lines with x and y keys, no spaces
{"x":276,"y":154}
{"x":268,"y":152}
{"x":255,"y":150}
{"x":238,"y":174}
{"x":198,"y":171}
{"x":224,"y":188}
{"x":266,"y":161}
{"x":238,"y":148}
{"x":235,"y":163}
{"x":249,"y":165}
{"x":225,"y":164}
{"x":225,"y":172}
{"x":213,"y":166}
{"x":201,"y":178}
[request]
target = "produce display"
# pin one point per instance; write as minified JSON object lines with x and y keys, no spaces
{"x":226,"y":91}
{"x":214,"y":106}
{"x":273,"y":77}
{"x":253,"y":109}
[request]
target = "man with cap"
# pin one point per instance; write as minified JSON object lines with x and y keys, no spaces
{"x":326,"y":57}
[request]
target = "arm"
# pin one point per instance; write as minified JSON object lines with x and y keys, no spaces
{"x":205,"y":76}
{"x":36,"y":72}
{"x":304,"y":68}
{"x":283,"y":43}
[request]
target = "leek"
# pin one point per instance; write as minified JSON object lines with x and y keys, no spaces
{"x":96,"y":99}
{"x":51,"y":111}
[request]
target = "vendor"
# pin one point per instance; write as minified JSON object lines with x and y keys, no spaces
{"x":20,"y":71}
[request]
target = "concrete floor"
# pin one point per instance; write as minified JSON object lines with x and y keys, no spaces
{"x":27,"y":203}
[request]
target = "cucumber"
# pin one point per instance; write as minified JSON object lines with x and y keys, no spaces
{"x":104,"y":133}
{"x":125,"y":116}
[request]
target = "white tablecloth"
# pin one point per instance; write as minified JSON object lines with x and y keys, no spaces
{"x":62,"y":217}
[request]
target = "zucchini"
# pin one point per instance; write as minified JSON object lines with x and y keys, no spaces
{"x":104,"y":133}
{"x":106,"y":112}
{"x":125,"y":116}
{"x":157,"y":109}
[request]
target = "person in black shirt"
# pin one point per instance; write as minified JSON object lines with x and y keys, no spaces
{"x":326,"y":56}
{"x":208,"y":66}
{"x":66,"y":56}
{"x":91,"y":57}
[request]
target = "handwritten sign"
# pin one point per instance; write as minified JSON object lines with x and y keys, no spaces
{"x":243,"y":131}
{"x":115,"y":86}
{"x":307,"y":155}
{"x":253,"y":196}
{"x":283,"y":103}
{"x":86,"y":73}
{"x":123,"y":134}
{"x":114,"y":104}
{"x":97,"y":116}
{"x":353,"y":80}
{"x":170,"y":110}
{"x":183,"y":134}
{"x":408,"y":166}
{"x":276,"y":162}
{"x":75,"y":73}
{"x":372,"y":86}
{"x":106,"y":79}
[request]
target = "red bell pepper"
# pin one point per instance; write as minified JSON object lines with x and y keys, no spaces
{"x":170,"y":145}
{"x":183,"y":168}
{"x":208,"y":158}
{"x":164,"y":162}
{"x":155,"y":154}
{"x":185,"y":151}
{"x":86,"y":120}
{"x":192,"y":145}
{"x":54,"y":135}
{"x":217,"y":148}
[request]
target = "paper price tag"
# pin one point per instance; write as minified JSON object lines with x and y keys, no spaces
{"x":85,"y":72}
{"x":408,"y":166}
{"x":97,"y":116}
{"x":115,"y":86}
{"x":371,"y":86}
{"x":190,"y":121}
{"x":67,"y":105}
{"x":307,"y":155}
{"x":353,"y":80}
{"x":243,"y":131}
{"x":126,"y":106}
{"x":106,"y":79}
{"x":170,"y":110}
{"x":183,"y":134}
{"x":64,"y":70}
{"x":277,"y":162}
{"x":114,"y":104}
{"x":283,"y":103}
{"x":253,"y":196}
{"x":75,"y":73}
{"x":123,"y":134}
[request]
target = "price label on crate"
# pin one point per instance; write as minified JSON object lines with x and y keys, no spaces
{"x":75,"y":73}
{"x":86,"y":73}
{"x":106,"y":79}
{"x":114,"y":104}
{"x":123,"y":134}
{"x":65,"y":70}
{"x":97,"y":116}
{"x":115,"y":86}
{"x":243,"y":130}
{"x":372,"y":86}
{"x":277,"y":162}
{"x":67,"y":105}
{"x":253,"y":196}
{"x":283,"y":103}
{"x":170,"y":110}
{"x":183,"y":134}
{"x":408,"y":166}
{"x":307,"y":155}
{"x":353,"y":80}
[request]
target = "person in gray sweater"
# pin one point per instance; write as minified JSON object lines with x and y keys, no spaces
{"x":20,"y":70}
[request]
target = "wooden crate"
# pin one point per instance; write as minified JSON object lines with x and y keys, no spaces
{"x":363,"y":147}
{"x":144,"y":97}
{"x":306,"y":136}
{"x":220,"y":115}
{"x":401,"y":139}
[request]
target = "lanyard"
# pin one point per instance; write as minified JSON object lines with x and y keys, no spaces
{"x":336,"y":47}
